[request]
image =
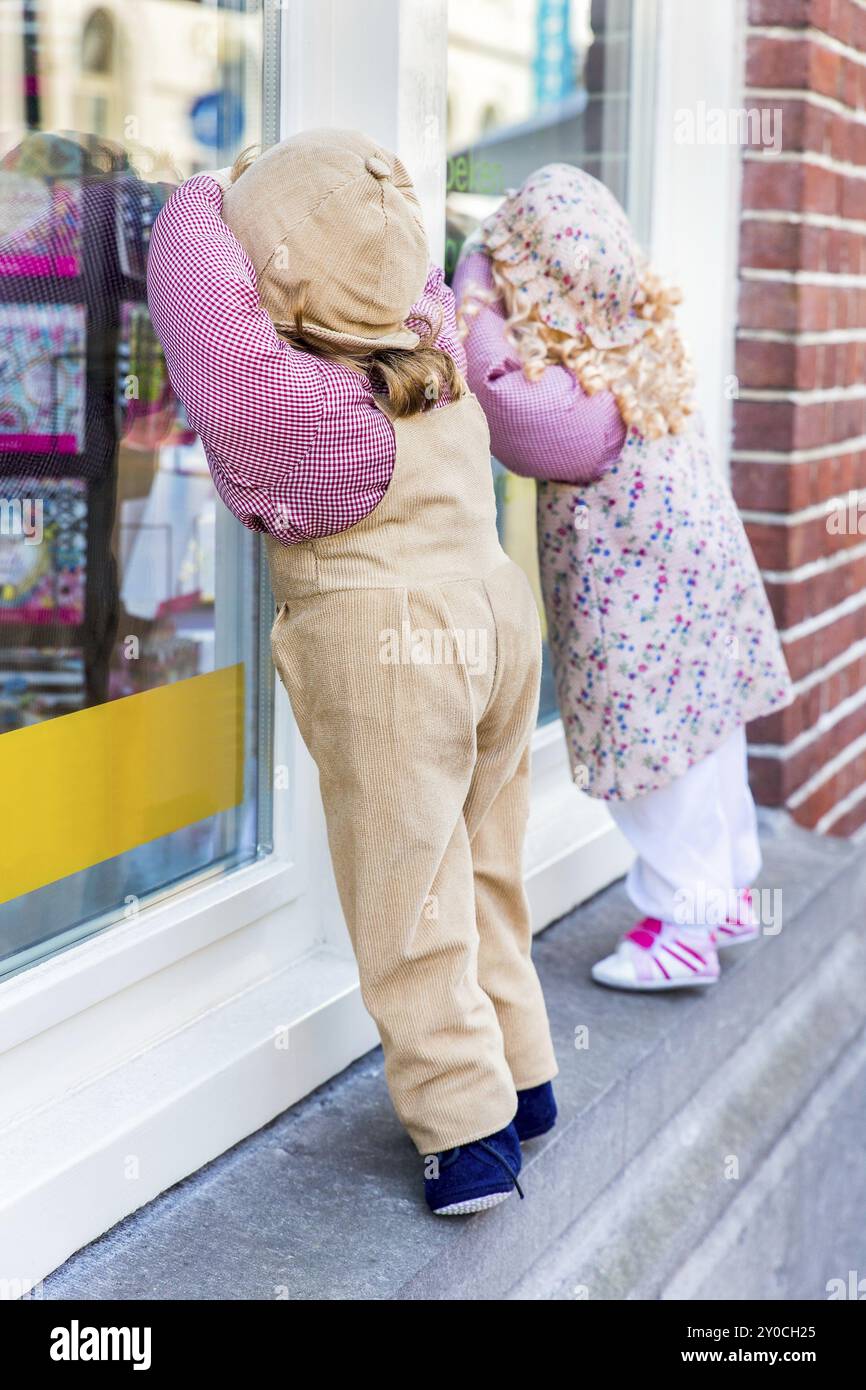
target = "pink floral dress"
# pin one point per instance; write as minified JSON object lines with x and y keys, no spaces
{"x":660,"y":632}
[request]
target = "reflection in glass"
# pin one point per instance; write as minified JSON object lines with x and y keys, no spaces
{"x":531,"y":82}
{"x":119,"y":571}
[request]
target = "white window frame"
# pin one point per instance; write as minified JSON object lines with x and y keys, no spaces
{"x":129,"y":1060}
{"x":696,"y":193}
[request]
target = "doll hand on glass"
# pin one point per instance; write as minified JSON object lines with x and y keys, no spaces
{"x":221,"y":176}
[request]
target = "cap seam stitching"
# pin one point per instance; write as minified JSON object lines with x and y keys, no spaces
{"x":309,"y":213}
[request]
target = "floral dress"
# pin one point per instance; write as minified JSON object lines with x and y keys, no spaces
{"x":660,"y":632}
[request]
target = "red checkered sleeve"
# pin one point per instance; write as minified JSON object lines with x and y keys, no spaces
{"x":295,"y":444}
{"x":548,"y":428}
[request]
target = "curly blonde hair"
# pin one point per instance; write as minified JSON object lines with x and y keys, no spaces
{"x":651,"y":379}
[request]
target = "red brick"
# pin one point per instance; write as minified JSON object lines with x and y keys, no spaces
{"x":769,"y":365}
{"x":766,"y":244}
{"x":804,"y":713}
{"x":822,"y":308}
{"x":775,"y":185}
{"x":798,"y":768}
{"x":827,"y":73}
{"x":851,"y":821}
{"x":782,"y":425}
{"x":839,"y":21}
{"x":773,"y":62}
{"x":825,"y":644}
{"x":822,"y":14}
{"x":770,"y":245}
{"x":849,"y":83}
{"x":833,"y":250}
{"x":769,"y":304}
{"x":765,"y":365}
{"x":779,"y":487}
{"x":828,"y":795}
{"x":792,"y":185}
{"x":764,"y":425}
{"x":782,"y":547}
{"x":794,"y":602}
{"x":765,"y":779}
{"x":791,"y":13}
{"x":806,"y":127}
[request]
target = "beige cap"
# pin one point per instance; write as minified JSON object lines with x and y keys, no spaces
{"x":334,"y":209}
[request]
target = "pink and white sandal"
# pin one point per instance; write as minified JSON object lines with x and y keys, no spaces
{"x":746,"y":926}
{"x":660,"y":955}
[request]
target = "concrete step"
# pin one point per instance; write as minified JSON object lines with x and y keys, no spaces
{"x":689,"y":1124}
{"x":697,"y":1211}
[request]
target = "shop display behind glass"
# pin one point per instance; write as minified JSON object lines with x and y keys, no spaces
{"x":532,"y":82}
{"x":120,"y":572}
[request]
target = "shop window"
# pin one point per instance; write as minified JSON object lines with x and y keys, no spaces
{"x":531,"y":82}
{"x":134,"y":681}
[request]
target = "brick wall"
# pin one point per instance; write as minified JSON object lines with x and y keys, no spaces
{"x":800,"y":417}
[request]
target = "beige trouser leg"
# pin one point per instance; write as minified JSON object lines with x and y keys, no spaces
{"x":505,"y":969}
{"x":401,"y":749}
{"x":496,"y":811}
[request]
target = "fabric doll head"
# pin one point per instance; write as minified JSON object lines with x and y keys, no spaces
{"x":566,"y":246}
{"x":579,"y":292}
{"x":332,"y":225}
{"x":334,"y":210}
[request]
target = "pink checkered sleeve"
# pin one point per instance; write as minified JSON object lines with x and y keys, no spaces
{"x":548,"y":428}
{"x":296,"y":445}
{"x":436,"y":306}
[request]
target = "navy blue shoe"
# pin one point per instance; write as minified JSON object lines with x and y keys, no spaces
{"x":536,"y":1111}
{"x":474,"y":1176}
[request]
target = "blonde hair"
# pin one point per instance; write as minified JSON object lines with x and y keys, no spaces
{"x":242,"y":163}
{"x":411,"y":379}
{"x":651,"y":379}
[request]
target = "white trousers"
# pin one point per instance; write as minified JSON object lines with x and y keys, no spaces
{"x":696,"y":839}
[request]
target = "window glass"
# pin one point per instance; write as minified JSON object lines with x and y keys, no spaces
{"x":133,"y":701}
{"x":531,"y":82}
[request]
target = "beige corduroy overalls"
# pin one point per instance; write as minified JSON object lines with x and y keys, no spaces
{"x":410,"y":649}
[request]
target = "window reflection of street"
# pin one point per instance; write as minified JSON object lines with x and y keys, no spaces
{"x":105,"y":109}
{"x":531,"y":82}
